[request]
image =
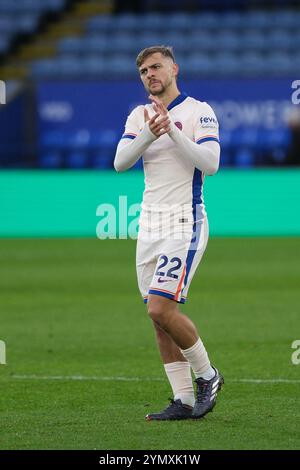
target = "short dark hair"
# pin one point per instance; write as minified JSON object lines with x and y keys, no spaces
{"x":166,"y":51}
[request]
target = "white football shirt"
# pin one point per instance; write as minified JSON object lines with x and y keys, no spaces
{"x":171,"y":181}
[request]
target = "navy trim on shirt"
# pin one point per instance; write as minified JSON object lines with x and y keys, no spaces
{"x":207,"y":139}
{"x":180,"y":98}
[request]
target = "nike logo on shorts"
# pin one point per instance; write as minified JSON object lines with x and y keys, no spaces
{"x":162,"y":280}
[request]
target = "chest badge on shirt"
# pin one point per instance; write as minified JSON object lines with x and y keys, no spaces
{"x":179,"y":125}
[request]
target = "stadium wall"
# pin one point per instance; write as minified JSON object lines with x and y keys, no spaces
{"x":261,"y":202}
{"x":94,"y":105}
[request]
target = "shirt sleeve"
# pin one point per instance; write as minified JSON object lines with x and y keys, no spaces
{"x":132,"y":128}
{"x":133,"y":143}
{"x":206,"y":126}
{"x":206,"y":156}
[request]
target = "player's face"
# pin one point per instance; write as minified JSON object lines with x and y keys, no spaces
{"x":158,"y":73}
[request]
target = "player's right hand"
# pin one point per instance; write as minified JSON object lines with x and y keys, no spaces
{"x":158,"y":125}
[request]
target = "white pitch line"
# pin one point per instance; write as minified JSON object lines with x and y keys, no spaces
{"x":143,"y":379}
{"x":82,"y":377}
{"x":267,"y":381}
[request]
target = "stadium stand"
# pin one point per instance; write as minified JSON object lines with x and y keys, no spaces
{"x":255,"y":42}
{"x":23,"y":17}
{"x":260,"y":50}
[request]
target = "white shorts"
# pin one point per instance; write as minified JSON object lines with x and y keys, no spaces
{"x":166,"y":265}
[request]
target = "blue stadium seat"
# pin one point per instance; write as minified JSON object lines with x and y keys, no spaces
{"x":55,"y":5}
{"x":296,"y":21}
{"x":127,"y":22}
{"x":252,"y":64}
{"x":102,"y":23}
{"x":203,"y":42}
{"x":228,"y":41}
{"x":23,"y":23}
{"x":287,"y":19}
{"x":153,"y":22}
{"x":296,"y":60}
{"x":181,"y":60}
{"x":206,"y":21}
{"x":27,"y":23}
{"x":66,"y":67}
{"x":179,"y":41}
{"x":89,"y":44}
{"x":45,"y":68}
{"x":256,"y":20}
{"x":279,"y":64}
{"x":71,"y":45}
{"x":7,"y":24}
{"x":95,"y":43}
{"x":123,"y":43}
{"x":120,"y":66}
{"x":200,"y":65}
{"x":232,"y":20}
{"x":180,"y":56}
{"x":30,"y":6}
{"x":180,"y":22}
{"x":253,"y":40}
{"x":93,"y":66}
{"x":296,"y":48}
{"x":226,"y":64}
{"x":150,"y":39}
{"x":281,"y":40}
{"x":4,"y":44}
{"x":69,"y":67}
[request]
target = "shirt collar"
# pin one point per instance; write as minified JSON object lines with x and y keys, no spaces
{"x":178,"y":100}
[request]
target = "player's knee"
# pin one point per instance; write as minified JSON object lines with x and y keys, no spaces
{"x":159,"y":309}
{"x":156,"y":314}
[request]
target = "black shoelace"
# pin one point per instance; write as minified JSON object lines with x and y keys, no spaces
{"x":202,"y":392}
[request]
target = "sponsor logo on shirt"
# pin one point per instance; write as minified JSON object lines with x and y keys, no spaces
{"x":179,"y":125}
{"x":207,"y":121}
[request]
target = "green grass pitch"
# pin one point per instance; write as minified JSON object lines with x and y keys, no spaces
{"x":82,"y":364}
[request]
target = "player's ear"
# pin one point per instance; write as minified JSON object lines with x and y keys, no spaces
{"x":175,"y":69}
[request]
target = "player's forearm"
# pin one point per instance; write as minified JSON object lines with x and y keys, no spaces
{"x":205,"y":156}
{"x":128,"y":152}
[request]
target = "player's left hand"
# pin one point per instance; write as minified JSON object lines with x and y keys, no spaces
{"x":158,"y":106}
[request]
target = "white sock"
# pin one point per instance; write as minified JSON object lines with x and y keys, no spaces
{"x":197,"y":356}
{"x":180,"y":378}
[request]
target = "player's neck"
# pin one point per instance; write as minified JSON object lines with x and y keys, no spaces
{"x":169,"y":96}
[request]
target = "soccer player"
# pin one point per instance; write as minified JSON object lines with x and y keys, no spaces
{"x":177,"y":137}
